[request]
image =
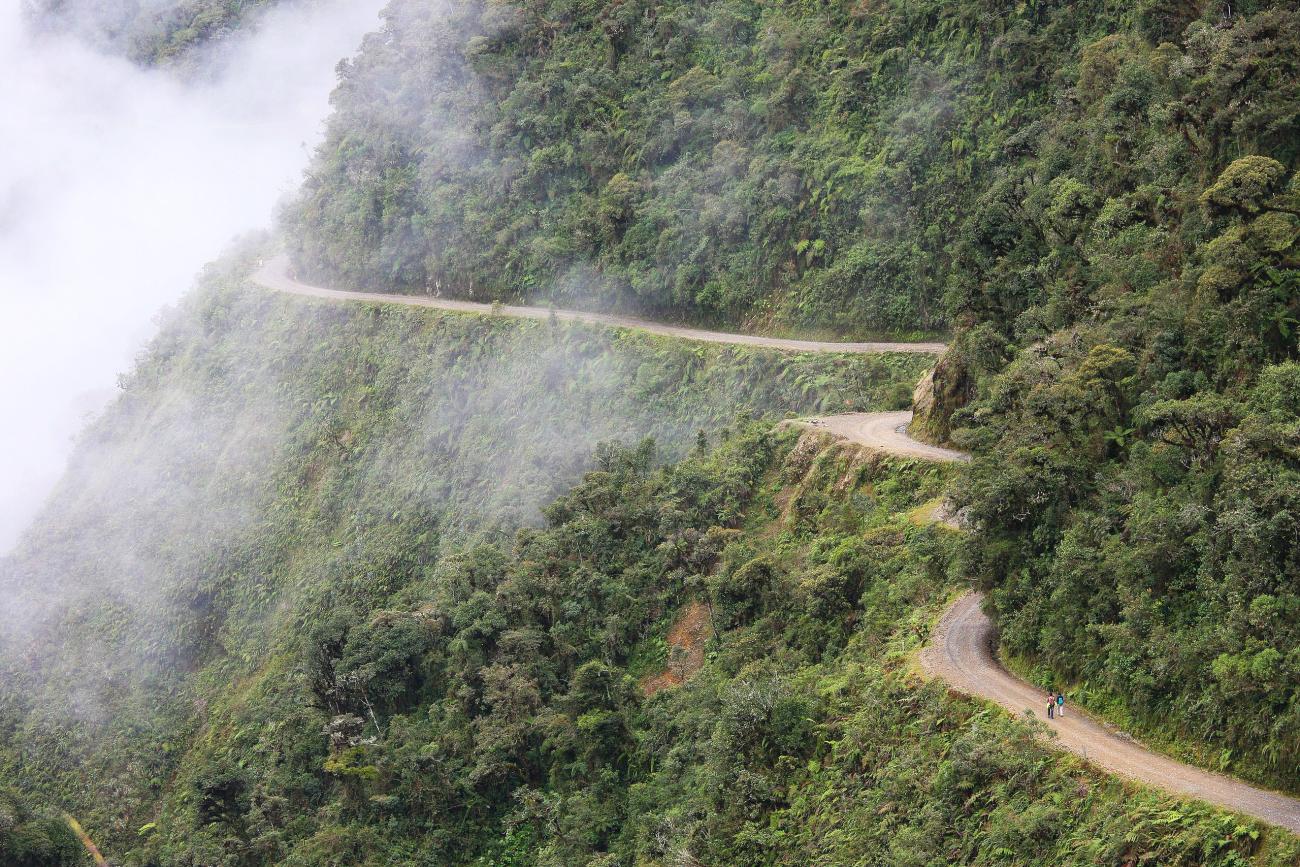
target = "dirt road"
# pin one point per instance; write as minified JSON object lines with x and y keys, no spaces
{"x":961,"y":652}
{"x":275,"y":275}
{"x":961,"y":649}
{"x":883,"y":431}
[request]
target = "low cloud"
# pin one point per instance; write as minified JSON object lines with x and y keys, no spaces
{"x":116,"y":184}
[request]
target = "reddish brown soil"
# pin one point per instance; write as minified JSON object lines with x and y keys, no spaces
{"x":686,"y":642}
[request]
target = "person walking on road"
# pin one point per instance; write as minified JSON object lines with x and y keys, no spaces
{"x":1051,"y":704}
{"x":1060,"y":705}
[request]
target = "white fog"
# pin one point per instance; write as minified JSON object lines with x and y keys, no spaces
{"x":116,"y":184}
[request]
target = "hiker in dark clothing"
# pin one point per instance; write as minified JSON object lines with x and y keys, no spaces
{"x":1051,"y":705}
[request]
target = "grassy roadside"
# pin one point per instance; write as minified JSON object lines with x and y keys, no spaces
{"x":1166,"y":739}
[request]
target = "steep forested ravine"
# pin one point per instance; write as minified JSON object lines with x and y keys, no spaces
{"x":777,"y":166}
{"x":962,"y":650}
{"x":295,"y":647}
{"x":369,"y":584}
{"x":265,"y":448}
{"x":1099,"y":200}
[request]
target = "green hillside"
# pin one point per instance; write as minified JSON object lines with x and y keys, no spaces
{"x":270,"y":458}
{"x":288,"y":632}
{"x":1099,"y":199}
{"x":372,"y":585}
{"x":788,"y":165}
{"x":149,"y":32}
{"x":1133,"y":356}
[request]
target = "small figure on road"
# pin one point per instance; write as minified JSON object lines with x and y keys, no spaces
{"x":1060,"y":705}
{"x":1051,"y":704}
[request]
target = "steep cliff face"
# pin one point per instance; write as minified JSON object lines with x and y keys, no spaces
{"x":942,"y":391}
{"x":270,"y":451}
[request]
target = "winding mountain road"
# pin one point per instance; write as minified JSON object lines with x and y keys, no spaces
{"x":276,"y":274}
{"x":882,"y":431}
{"x":961,"y":650}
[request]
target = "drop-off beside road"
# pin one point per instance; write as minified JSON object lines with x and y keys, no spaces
{"x":961,"y":650}
{"x":275,"y":274}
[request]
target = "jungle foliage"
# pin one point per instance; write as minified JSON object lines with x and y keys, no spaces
{"x":488,"y":708}
{"x":1130,"y":291}
{"x":33,"y":839}
{"x":278,"y":614}
{"x":1099,"y":198}
{"x":266,"y":449}
{"x":482,"y":702}
{"x":148,"y":32}
{"x":315,"y":633}
{"x":793,"y":165}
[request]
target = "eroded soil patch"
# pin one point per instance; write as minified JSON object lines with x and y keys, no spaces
{"x":686,"y":641}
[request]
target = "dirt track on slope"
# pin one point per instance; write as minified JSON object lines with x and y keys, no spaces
{"x":961,"y":648}
{"x":275,"y":275}
{"x":882,"y":431}
{"x":961,"y":652}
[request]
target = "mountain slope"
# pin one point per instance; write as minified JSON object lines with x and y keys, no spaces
{"x":268,"y":450}
{"x":328,"y":585}
{"x":147,"y":31}
{"x":1133,"y":358}
{"x":728,"y":162}
{"x":358,"y":690}
{"x":1099,"y":199}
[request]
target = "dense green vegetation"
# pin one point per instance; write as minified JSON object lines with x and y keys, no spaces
{"x":776,"y":165}
{"x":148,"y":32}
{"x":361,"y":693}
{"x":267,"y":448}
{"x":30,"y":839}
{"x":1100,"y":198}
{"x":486,"y":709}
{"x":328,"y":585}
{"x":1134,"y":280}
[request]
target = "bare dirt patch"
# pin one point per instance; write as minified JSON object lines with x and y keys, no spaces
{"x":686,"y":641}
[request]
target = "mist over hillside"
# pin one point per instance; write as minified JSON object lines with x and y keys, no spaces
{"x":116,"y":184}
{"x":149,"y":31}
{"x":346,"y":581}
{"x":723,"y":162}
{"x":1099,"y":199}
{"x":270,"y":460}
